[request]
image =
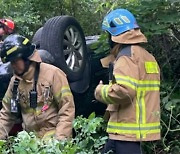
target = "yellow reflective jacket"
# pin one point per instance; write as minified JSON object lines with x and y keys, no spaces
{"x":53,"y":91}
{"x":133,"y":96}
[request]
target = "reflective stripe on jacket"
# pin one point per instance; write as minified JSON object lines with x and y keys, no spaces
{"x":133,"y":97}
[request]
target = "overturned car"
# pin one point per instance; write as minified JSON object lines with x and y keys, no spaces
{"x":61,"y":42}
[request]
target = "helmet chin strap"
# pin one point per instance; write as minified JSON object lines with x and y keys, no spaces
{"x":111,"y":43}
{"x":27,"y":63}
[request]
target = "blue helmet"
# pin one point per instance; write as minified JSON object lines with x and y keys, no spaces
{"x":119,"y":21}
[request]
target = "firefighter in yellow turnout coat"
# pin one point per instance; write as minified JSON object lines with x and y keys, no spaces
{"x":44,"y":100}
{"x":133,"y":96}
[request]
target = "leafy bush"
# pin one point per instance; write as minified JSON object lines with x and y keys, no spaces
{"x":22,"y":12}
{"x":89,"y":138}
{"x":158,"y":19}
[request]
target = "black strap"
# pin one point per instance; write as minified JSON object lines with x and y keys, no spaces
{"x":15,"y":106}
{"x":124,"y":51}
{"x":15,"y":87}
{"x":33,"y":93}
{"x":111,"y":68}
{"x":36,"y":75}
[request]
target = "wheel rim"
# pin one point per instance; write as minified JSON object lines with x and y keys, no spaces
{"x":73,"y":48}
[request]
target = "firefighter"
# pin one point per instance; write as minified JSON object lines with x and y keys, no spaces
{"x":132,"y":95}
{"x":6,"y":27}
{"x":38,"y":92}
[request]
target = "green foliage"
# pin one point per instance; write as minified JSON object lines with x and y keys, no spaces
{"x":170,"y":108}
{"x":89,"y":139}
{"x":159,"y":20}
{"x":21,"y":11}
{"x":101,"y":45}
{"x":88,"y":132}
{"x":29,"y":15}
{"x":155,"y":17}
{"x":2,"y":142}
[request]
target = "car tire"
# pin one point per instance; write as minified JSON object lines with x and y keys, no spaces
{"x":63,"y":37}
{"x":37,"y":38}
